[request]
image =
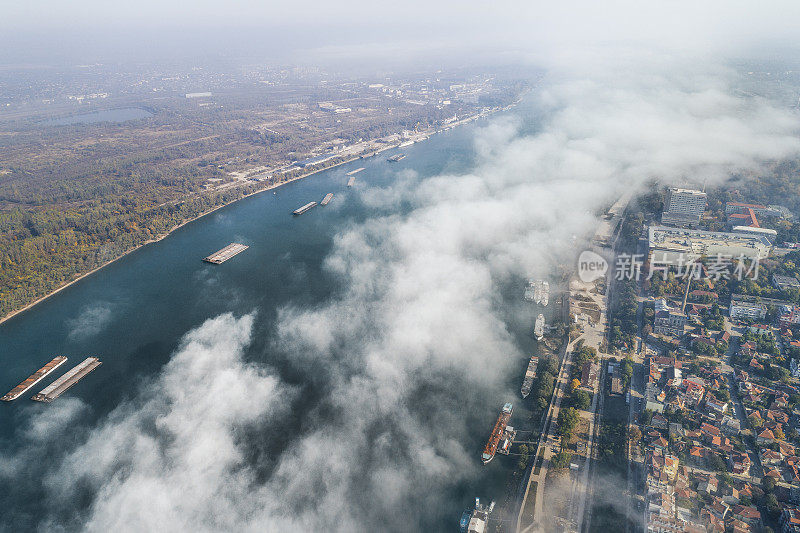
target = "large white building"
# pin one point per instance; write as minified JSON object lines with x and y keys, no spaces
{"x":673,"y":245}
{"x":747,"y":308}
{"x":683,"y":207}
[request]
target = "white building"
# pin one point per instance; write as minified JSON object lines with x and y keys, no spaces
{"x":683,"y":207}
{"x":750,"y":310}
{"x":673,"y":245}
{"x":770,"y":234}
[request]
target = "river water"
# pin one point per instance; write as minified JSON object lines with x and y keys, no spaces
{"x":133,"y":313}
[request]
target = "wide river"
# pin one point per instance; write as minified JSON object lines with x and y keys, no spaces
{"x":134,"y":313}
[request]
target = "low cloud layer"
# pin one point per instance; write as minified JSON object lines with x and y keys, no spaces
{"x":416,"y":344}
{"x":92,"y":320}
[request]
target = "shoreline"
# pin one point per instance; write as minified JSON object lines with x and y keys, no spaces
{"x":66,"y":285}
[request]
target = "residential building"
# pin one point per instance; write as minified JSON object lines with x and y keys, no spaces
{"x":683,"y":207}
{"x":746,"y":309}
{"x":668,"y":321}
{"x":783,"y":283}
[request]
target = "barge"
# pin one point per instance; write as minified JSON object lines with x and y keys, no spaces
{"x":305,"y":208}
{"x":327,"y":199}
{"x":354,"y":172}
{"x":396,"y":158}
{"x":62,"y":384}
{"x":226,"y":253}
{"x":530,"y":376}
{"x":351,"y":181}
{"x":34,"y":378}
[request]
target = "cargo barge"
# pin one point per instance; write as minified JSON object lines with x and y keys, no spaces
{"x":226,"y":253}
{"x":327,"y":199}
{"x":498,"y":433}
{"x":354,"y":172}
{"x":351,"y":181}
{"x":34,"y":378}
{"x":530,"y":375}
{"x":62,"y":384}
{"x":396,"y":158}
{"x":301,"y":210}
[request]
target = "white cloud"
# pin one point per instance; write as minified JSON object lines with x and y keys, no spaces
{"x":92,"y":319}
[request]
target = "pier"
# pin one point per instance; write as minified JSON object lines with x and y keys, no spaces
{"x":62,"y":384}
{"x":34,"y":378}
{"x":226,"y":253}
{"x":327,"y":199}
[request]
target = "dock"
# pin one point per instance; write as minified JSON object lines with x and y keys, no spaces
{"x":354,"y":172}
{"x":351,"y":181}
{"x":62,"y":384}
{"x":327,"y":199}
{"x":301,"y":210}
{"x":226,"y":253}
{"x":34,"y":378}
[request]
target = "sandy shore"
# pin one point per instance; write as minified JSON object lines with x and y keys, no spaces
{"x":259,"y":191}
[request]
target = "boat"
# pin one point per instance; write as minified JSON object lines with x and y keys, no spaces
{"x":327,"y":199}
{"x":301,"y":210}
{"x":475,"y":521}
{"x":538,"y":328}
{"x":497,"y":433}
{"x":530,"y":376}
{"x":395,"y":158}
{"x":354,"y":172}
{"x":351,"y":181}
{"x":545,"y":293}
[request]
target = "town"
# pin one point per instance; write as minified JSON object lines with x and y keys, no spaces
{"x":673,"y":376}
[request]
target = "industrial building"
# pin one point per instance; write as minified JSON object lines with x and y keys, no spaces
{"x":683,"y":207}
{"x":680,"y":246}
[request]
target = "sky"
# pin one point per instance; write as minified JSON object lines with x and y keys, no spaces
{"x":634,"y":92}
{"x":355,"y":27}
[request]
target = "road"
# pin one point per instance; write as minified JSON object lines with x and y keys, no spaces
{"x":593,"y":334}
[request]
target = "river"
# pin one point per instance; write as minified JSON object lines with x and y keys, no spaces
{"x":133,"y":313}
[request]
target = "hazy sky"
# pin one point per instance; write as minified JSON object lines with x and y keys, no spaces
{"x":353,"y":27}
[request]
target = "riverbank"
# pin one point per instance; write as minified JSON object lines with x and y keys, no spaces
{"x":260,"y":190}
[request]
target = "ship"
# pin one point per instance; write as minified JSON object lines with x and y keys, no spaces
{"x":538,"y":328}
{"x":354,"y":172}
{"x":327,"y":199}
{"x":301,"y":210}
{"x":530,"y":376}
{"x":545,"y":293}
{"x":497,"y":434}
{"x":395,"y":158}
{"x":475,"y":521}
